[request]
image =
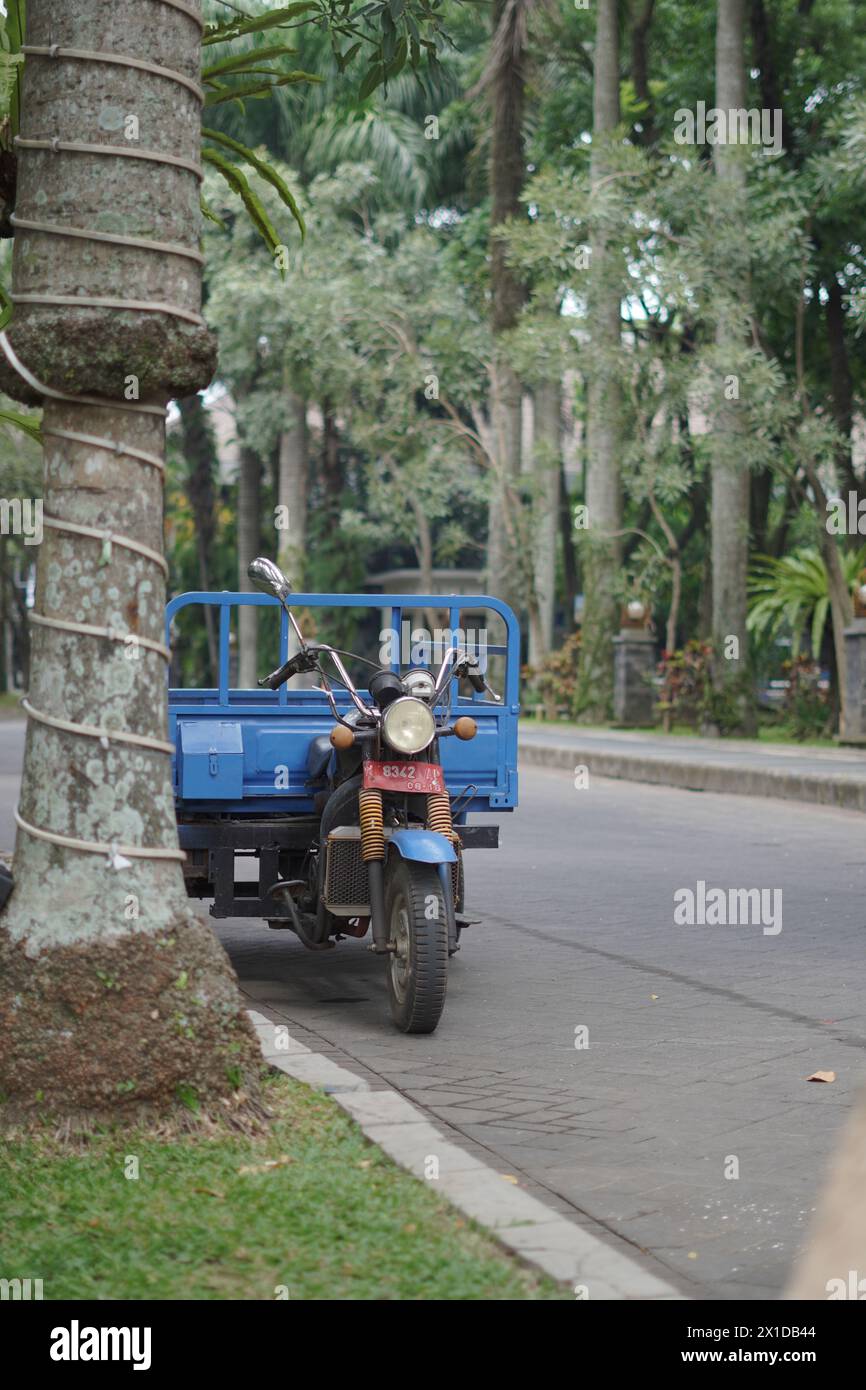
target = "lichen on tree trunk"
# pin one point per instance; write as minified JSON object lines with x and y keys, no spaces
{"x":112,"y":991}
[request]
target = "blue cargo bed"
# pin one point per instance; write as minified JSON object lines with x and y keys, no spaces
{"x":243,"y":752}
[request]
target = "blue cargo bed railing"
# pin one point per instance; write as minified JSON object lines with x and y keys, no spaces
{"x":245,"y":751}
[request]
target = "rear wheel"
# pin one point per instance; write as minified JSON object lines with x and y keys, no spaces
{"x":418,"y":933}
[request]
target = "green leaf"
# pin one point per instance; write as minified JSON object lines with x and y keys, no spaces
{"x":268,"y":173}
{"x":819,"y":618}
{"x":236,"y":181}
{"x":233,"y":28}
{"x":374,"y":78}
{"x":6,"y":307}
{"x":212,"y":216}
{"x":237,"y":62}
{"x":26,"y":423}
{"x":257,"y":89}
{"x":399,"y":58}
{"x":15,"y":34}
{"x":344,"y":59}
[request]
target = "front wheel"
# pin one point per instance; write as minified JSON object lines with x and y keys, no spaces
{"x":418,"y":935}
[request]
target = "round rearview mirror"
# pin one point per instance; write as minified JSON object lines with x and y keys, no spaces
{"x":267,"y":577}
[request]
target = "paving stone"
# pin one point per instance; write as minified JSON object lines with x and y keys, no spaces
{"x":578,"y":930}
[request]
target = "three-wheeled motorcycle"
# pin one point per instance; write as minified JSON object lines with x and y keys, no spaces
{"x":353,"y":801}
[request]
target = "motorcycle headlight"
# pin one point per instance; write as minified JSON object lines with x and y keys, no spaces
{"x":408,"y":725}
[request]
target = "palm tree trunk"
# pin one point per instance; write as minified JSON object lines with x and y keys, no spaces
{"x":199,"y":453}
{"x":548,"y":463}
{"x":507,"y":293}
{"x":603,"y":548}
{"x":112,"y":991}
{"x":292,"y":491}
{"x":730,"y":482}
{"x":841,"y":385}
{"x":249,"y":546}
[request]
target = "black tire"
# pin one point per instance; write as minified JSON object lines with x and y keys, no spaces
{"x":418,"y":970}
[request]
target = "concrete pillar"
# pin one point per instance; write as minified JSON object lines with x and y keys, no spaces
{"x":634,"y":662}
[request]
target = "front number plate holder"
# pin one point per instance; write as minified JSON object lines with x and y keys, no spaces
{"x":410,"y":779}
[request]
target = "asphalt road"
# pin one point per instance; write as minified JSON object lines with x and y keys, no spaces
{"x":686,"y":1130}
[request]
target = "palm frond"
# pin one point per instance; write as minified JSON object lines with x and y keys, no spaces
{"x":390,"y":142}
{"x":221,"y":93}
{"x":253,"y":204}
{"x":793,"y":592}
{"x":233,"y":28}
{"x":268,"y":173}
{"x":28,"y":424}
{"x":238,"y":62}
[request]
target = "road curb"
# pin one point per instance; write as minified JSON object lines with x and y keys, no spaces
{"x":535,"y":1233}
{"x":847,"y":793}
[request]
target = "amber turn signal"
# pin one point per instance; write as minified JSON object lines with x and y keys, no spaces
{"x":341,"y":737}
{"x":465,"y":727}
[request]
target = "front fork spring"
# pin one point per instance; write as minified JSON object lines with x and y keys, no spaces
{"x":439,"y":815}
{"x":372,"y":824}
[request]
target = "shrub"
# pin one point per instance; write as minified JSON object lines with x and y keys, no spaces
{"x":553,"y":683}
{"x":688,"y":695}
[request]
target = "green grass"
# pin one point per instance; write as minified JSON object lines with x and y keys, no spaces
{"x":10,"y":706}
{"x":334,"y":1219}
{"x":767,"y":733}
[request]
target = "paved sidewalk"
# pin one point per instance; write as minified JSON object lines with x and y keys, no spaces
{"x":827,"y":776}
{"x":519,"y":1221}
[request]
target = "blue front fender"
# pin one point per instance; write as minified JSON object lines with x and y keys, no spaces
{"x":424,"y":846}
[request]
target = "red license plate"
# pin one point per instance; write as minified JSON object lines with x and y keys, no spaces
{"x":410,"y":778}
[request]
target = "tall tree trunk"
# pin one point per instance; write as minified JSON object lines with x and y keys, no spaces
{"x":641,"y":22}
{"x":332,"y":473}
{"x":730,"y":486}
{"x":603,"y":548}
{"x":294,"y":468}
{"x":507,"y":292}
{"x":199,"y":453}
{"x":249,"y":546}
{"x":569,"y":550}
{"x":293,"y":472}
{"x":548,"y":464}
{"x":842,"y":386}
{"x":112,"y":991}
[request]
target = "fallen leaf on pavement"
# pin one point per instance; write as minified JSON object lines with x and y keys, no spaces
{"x":822,"y":1076}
